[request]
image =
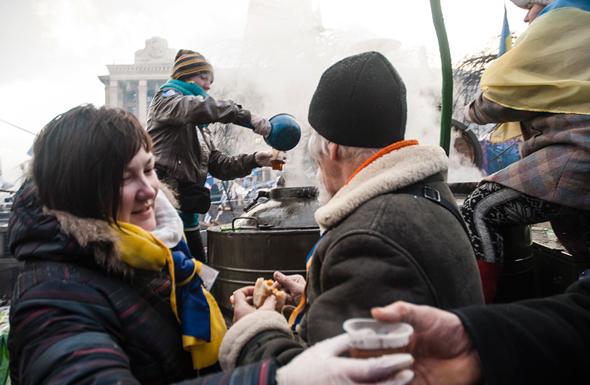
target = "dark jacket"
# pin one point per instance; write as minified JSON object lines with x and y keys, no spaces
{"x":379,"y":246}
{"x":184,"y":150}
{"x":79,"y":314}
{"x":533,"y":342}
{"x":555,"y":164}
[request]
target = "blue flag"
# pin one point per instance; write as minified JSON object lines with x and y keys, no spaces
{"x":506,"y":37}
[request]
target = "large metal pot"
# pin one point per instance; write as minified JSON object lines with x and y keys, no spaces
{"x":276,"y":233}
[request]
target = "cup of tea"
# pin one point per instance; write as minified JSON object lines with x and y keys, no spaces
{"x":372,"y":338}
{"x":277,"y":160}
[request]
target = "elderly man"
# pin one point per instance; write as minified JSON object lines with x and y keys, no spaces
{"x":390,"y":228}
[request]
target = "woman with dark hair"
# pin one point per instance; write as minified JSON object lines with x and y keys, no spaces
{"x":108,"y":289}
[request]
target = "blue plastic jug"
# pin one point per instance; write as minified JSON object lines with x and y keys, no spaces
{"x":285,"y":132}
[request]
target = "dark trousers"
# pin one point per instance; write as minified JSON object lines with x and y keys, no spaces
{"x":195,"y":244}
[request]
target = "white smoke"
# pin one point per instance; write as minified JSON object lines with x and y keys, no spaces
{"x":280,"y":65}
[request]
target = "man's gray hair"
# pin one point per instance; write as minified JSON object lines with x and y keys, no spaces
{"x":318,"y":148}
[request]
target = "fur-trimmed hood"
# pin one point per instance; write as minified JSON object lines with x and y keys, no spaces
{"x":38,"y":233}
{"x":96,"y":235}
{"x":388,"y":173}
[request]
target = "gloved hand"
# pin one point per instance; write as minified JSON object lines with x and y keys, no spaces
{"x":321,"y":364}
{"x":261,"y":126}
{"x":263,"y":158}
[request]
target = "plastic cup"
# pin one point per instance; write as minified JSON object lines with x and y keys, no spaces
{"x":371,"y":338}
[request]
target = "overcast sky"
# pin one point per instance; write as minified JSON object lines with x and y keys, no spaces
{"x":53,"y":50}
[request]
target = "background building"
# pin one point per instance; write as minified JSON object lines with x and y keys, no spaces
{"x":132,"y":86}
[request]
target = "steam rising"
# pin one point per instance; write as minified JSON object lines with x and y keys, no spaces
{"x":58,"y":47}
{"x":279,"y":73}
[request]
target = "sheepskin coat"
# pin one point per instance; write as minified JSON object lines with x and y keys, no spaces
{"x":379,"y":245}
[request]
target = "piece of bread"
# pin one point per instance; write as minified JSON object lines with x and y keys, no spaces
{"x":263,"y":289}
{"x":281,"y":297}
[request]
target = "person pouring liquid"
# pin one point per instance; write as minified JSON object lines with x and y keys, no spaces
{"x":178,"y":120}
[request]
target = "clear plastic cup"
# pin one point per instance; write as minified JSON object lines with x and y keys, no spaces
{"x":371,"y":338}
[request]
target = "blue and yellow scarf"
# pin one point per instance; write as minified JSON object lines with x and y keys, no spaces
{"x":202,"y":323}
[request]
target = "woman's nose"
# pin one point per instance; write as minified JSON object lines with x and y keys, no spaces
{"x":146,"y":192}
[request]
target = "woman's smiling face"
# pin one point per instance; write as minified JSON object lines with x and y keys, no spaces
{"x":139,"y":188}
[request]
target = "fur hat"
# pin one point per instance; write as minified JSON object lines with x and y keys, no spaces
{"x":360,"y":101}
{"x":188,"y":63}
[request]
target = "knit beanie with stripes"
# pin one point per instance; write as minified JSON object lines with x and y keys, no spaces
{"x":188,"y":63}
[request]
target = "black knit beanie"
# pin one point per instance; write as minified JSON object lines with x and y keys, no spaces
{"x":188,"y":63}
{"x":360,"y":101}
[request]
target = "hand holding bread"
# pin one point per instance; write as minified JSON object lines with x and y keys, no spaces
{"x":293,"y":285}
{"x":282,"y":295}
{"x":264,"y":289}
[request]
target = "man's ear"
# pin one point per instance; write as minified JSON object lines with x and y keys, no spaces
{"x":333,"y":151}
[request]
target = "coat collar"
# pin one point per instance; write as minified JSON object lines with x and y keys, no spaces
{"x":387,"y":173}
{"x":96,"y":235}
{"x":100,"y":236}
{"x":169,"y":227}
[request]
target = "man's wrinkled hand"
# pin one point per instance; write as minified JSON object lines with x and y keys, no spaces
{"x":441,"y":347}
{"x":241,"y":300}
{"x":293,"y":285}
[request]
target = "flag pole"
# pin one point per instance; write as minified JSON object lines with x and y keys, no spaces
{"x":447,"y":75}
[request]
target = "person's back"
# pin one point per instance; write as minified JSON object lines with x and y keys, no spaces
{"x":390,"y":227}
{"x":422,"y":255}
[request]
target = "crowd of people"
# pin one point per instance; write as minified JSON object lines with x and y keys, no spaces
{"x":113,"y":288}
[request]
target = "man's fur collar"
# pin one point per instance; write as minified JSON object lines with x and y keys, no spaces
{"x":388,"y":173}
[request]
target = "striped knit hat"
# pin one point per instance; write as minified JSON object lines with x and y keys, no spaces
{"x":188,"y":63}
